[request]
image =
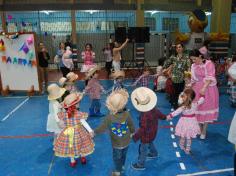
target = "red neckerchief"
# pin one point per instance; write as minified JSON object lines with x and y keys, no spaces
{"x":70,"y":111}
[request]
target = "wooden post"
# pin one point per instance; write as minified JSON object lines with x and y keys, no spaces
{"x":4,"y":24}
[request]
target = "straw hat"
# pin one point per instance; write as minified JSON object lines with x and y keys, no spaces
{"x":72,"y":77}
{"x":232,"y":71}
{"x":143,"y":99}
{"x":55,"y":92}
{"x":62,"y":81}
{"x":117,"y":100}
{"x":72,"y":99}
{"x":92,"y":71}
{"x":118,"y":74}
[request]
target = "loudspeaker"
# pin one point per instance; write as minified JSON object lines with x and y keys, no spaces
{"x":139,"y":34}
{"x":120,"y":34}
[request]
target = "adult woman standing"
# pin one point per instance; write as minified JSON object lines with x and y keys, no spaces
{"x":204,"y":83}
{"x":178,"y":64}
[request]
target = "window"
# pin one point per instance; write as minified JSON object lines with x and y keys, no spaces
{"x":151,"y":23}
{"x":170,"y":24}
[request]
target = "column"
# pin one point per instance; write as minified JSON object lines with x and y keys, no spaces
{"x":221,"y":15}
{"x":3,"y":18}
{"x":139,"y":14}
{"x":73,"y":25}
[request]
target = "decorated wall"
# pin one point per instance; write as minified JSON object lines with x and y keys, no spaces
{"x":18,"y":63}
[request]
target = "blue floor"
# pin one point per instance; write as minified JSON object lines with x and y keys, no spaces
{"x":26,"y":147}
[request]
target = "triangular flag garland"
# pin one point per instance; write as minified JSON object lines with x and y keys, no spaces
{"x":19,"y":61}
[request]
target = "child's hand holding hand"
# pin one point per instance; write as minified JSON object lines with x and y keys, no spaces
{"x":168,"y":117}
{"x":61,"y":124}
{"x":92,"y":134}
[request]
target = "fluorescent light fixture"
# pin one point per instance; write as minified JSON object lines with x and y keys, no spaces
{"x":208,"y":13}
{"x":46,"y":11}
{"x":91,"y":11}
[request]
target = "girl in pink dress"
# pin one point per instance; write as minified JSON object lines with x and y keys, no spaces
{"x":203,"y":82}
{"x":88,"y":57}
{"x":187,"y":126}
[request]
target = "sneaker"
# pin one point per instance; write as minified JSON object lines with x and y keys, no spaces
{"x":73,"y":164}
{"x":136,"y":166}
{"x":83,"y":160}
{"x":115,"y":174}
{"x":202,"y":136}
{"x":151,"y":156}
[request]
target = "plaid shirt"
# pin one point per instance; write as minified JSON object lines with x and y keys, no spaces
{"x":232,"y":92}
{"x":143,"y":80}
{"x":148,"y":126}
{"x":179,"y":66}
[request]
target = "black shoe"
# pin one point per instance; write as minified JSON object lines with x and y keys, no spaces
{"x":151,"y":156}
{"x":136,"y":166}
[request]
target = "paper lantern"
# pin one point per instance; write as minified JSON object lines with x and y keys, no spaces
{"x":4,"y":59}
{"x":30,"y":40}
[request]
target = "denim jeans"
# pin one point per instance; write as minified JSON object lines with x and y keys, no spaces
{"x":119,"y":157}
{"x":145,"y":149}
{"x":95,"y":105}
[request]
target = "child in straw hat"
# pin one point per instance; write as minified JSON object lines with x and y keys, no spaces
{"x":71,"y":82}
{"x":120,"y":126}
{"x":94,"y":89}
{"x":145,"y":100}
{"x":75,"y":140}
{"x":118,"y":77}
{"x":53,"y":122}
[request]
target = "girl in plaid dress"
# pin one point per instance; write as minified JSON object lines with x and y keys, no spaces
{"x":75,"y":140}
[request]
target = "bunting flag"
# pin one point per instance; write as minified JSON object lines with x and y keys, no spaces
{"x":30,"y":40}
{"x":24,"y":48}
{"x":19,"y":61}
{"x":4,"y":59}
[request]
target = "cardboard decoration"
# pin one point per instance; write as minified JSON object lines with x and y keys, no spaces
{"x":18,"y":64}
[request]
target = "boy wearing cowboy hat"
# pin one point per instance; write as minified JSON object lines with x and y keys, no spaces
{"x":53,"y":123}
{"x":118,"y":77}
{"x":75,"y":140}
{"x":94,"y":89}
{"x":145,"y":100}
{"x":120,"y":126}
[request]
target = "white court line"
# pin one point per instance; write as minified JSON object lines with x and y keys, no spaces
{"x":177,"y":154}
{"x":171,"y":129}
{"x":175,"y":144}
{"x":16,"y":108}
{"x":51,"y":164}
{"x":182,"y":166}
{"x":171,"y":123}
{"x":19,"y":97}
{"x":208,"y":172}
{"x":173,"y":136}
